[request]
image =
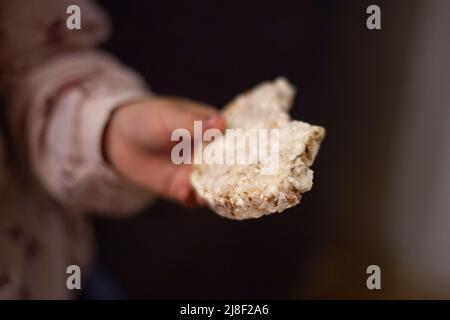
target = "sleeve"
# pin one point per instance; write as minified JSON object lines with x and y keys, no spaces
{"x":59,"y":102}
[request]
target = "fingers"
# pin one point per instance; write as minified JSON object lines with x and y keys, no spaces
{"x":180,"y":188}
{"x":182,"y":114}
{"x":158,"y":174}
{"x":139,"y":144}
{"x":150,"y":123}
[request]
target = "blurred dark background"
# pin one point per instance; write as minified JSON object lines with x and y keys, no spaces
{"x":351,"y":80}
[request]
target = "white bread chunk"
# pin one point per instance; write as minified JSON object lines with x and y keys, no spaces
{"x":243,"y":191}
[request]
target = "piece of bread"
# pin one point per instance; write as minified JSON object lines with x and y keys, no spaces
{"x":242,"y":191}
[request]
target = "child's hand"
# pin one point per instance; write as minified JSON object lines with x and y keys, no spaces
{"x":137,"y":143}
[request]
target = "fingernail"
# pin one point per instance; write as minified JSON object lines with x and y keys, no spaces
{"x":211,"y":121}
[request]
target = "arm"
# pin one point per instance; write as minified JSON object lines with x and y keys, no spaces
{"x":60,"y":94}
{"x":68,"y":103}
